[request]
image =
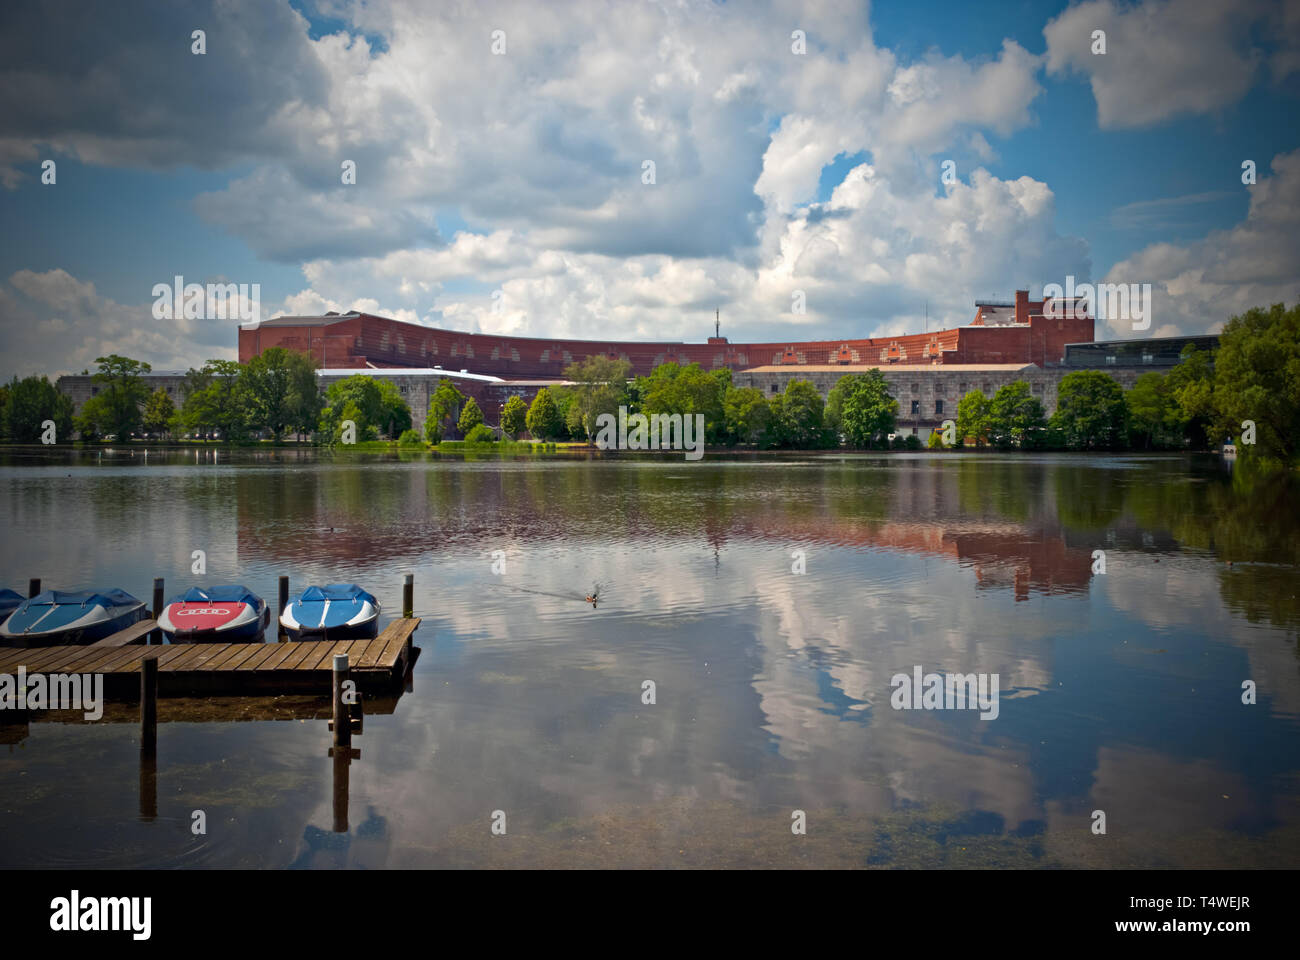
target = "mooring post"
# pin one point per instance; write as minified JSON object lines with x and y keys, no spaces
{"x":149,"y":704}
{"x":284,"y":605}
{"x":33,"y":586}
{"x":156,"y":635}
{"x":408,"y":596}
{"x":342,"y":757}
{"x":342,"y":716}
{"x":149,"y":737}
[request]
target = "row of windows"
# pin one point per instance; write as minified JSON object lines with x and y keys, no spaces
{"x":963,"y":389}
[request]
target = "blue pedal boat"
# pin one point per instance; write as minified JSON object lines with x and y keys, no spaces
{"x":9,"y":600}
{"x":228,"y":614}
{"x":59,"y":617}
{"x":338,"y":611}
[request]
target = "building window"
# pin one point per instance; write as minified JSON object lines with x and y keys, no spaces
{"x":774,"y":388}
{"x":914,"y":431}
{"x":938,"y":407}
{"x":988,"y":388}
{"x":1036,"y":387}
{"x":962,"y":389}
{"x":94,"y":391}
{"x":916,"y":406}
{"x":916,"y":388}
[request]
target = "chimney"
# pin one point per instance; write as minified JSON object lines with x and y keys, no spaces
{"x":1022,"y":306}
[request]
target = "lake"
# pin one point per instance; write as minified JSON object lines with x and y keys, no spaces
{"x":769,"y":600}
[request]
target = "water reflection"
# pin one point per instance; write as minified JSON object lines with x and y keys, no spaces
{"x":1120,"y":691}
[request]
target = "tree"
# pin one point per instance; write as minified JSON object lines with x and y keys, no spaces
{"x":1153,"y":412}
{"x":158,"y":412}
{"x":480,"y":433}
{"x":357,"y":398}
{"x":1191,"y":385}
{"x":28,"y":404}
{"x":1257,"y":378}
{"x":746,"y":413}
{"x":514,"y":419}
{"x":601,"y":387}
{"x":860,"y":407}
{"x":470,"y":417}
{"x":672,"y":388}
{"x":282,"y":391}
{"x":444,"y":410}
{"x":973,"y":418}
{"x":217,"y":400}
{"x":543,"y":418}
{"x":395,"y":412}
{"x":1015,"y":417}
{"x":124,"y":393}
{"x":801,"y":413}
{"x":1090,"y":411}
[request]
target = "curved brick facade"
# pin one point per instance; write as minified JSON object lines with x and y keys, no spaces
{"x":1000,"y":333}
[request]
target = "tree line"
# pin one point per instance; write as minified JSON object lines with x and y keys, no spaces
{"x":1254,"y":375}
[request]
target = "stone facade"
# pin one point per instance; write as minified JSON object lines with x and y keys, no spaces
{"x":928,"y":394}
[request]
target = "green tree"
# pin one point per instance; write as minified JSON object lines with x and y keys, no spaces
{"x":1016,"y":417}
{"x":1090,"y":411}
{"x":395,"y":412}
{"x":4,"y":410}
{"x":514,"y":419}
{"x":543,"y":418}
{"x":357,"y":398}
{"x":1191,"y":384}
{"x":282,"y":391}
{"x":802,"y":410}
{"x":158,"y":412}
{"x":1257,"y":378}
{"x":973,"y":412}
{"x":470,"y":417}
{"x":600,"y":387}
{"x":480,"y":433}
{"x":860,"y":407}
{"x":672,"y":388}
{"x":217,"y":400}
{"x":124,"y":392}
{"x":1153,"y":412}
{"x":747,"y":414}
{"x":28,"y":404}
{"x":444,"y":410}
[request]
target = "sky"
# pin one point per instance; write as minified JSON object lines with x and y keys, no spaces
{"x":502,"y":159}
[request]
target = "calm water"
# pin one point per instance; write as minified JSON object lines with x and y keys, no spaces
{"x":1120,"y":692}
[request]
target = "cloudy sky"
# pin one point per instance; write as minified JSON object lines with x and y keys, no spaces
{"x":524,"y":170}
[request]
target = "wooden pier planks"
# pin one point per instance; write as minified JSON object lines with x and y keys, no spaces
{"x":225,"y":668}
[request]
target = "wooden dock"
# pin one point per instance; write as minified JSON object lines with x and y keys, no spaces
{"x":304,"y":667}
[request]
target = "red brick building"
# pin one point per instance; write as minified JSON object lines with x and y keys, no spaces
{"x":1016,"y":331}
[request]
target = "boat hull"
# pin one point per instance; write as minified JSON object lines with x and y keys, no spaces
{"x":56,"y":619}
{"x":214,"y":623}
{"x":334,"y":612}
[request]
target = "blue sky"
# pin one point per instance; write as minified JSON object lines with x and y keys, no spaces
{"x":522,"y":171}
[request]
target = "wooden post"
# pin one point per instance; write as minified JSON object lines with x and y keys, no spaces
{"x":342,"y":716}
{"x":33,"y":587}
{"x":149,"y":704}
{"x":408,"y":596}
{"x":149,"y":737}
{"x":156,"y":635}
{"x":284,"y":605}
{"x":342,"y":763}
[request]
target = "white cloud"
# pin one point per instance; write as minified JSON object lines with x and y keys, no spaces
{"x":1162,"y":58}
{"x":1199,"y":287}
